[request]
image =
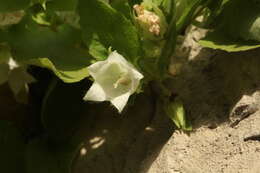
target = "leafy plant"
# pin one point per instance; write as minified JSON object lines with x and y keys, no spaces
{"x":122,"y":47}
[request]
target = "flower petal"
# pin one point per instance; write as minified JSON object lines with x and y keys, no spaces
{"x":116,"y":57}
{"x":120,"y":101}
{"x":18,"y":79}
{"x":12,"y":64}
{"x":95,"y":68}
{"x":95,"y":93}
{"x":137,"y":75}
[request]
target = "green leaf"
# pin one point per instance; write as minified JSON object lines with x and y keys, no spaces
{"x":176,"y":112}
{"x":12,"y":147}
{"x":62,"y":5}
{"x":64,"y":75}
{"x":97,"y":50}
{"x":254,"y":30}
{"x":68,"y":17}
{"x":4,"y":53}
{"x":44,"y":157}
{"x":123,"y":7}
{"x":237,"y":28}
{"x":217,"y":40}
{"x":113,"y":29}
{"x":241,"y":20}
{"x":13,"y":5}
{"x":133,"y":2}
{"x":63,"y":47}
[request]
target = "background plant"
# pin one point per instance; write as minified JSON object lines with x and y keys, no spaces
{"x":67,"y":36}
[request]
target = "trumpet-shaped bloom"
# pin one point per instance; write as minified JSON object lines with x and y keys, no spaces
{"x":115,"y":80}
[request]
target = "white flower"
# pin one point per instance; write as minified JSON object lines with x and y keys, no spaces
{"x":115,"y":80}
{"x":16,"y":76}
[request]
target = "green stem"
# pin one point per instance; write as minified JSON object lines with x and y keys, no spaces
{"x":51,"y":87}
{"x":186,"y":18}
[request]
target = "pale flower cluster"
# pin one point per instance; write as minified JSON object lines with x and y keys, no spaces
{"x":149,"y":18}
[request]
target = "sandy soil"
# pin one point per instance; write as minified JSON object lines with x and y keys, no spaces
{"x":221,"y":149}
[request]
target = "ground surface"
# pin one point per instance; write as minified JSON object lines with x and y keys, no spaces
{"x":222,"y":149}
{"x":221,"y":95}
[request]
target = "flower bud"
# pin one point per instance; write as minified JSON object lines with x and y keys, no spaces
{"x":151,"y":24}
{"x":175,"y":110}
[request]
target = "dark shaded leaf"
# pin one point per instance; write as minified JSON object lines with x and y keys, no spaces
{"x":62,"y":5}
{"x":63,"y":47}
{"x":113,"y":29}
{"x":216,"y":40}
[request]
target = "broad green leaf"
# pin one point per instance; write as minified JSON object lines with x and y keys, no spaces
{"x":241,"y":20}
{"x":62,"y":46}
{"x":62,"y":5}
{"x":41,"y":19}
{"x":113,"y":29}
{"x":4,"y":53}
{"x":254,"y":30}
{"x":133,"y":2}
{"x":13,"y":5}
{"x":176,"y":112}
{"x":12,"y":147}
{"x":65,"y":76}
{"x":123,"y":7}
{"x":97,"y":50}
{"x":237,"y":29}
{"x":225,"y":1}
{"x":69,"y":17}
{"x":42,"y":156}
{"x":216,"y":40}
